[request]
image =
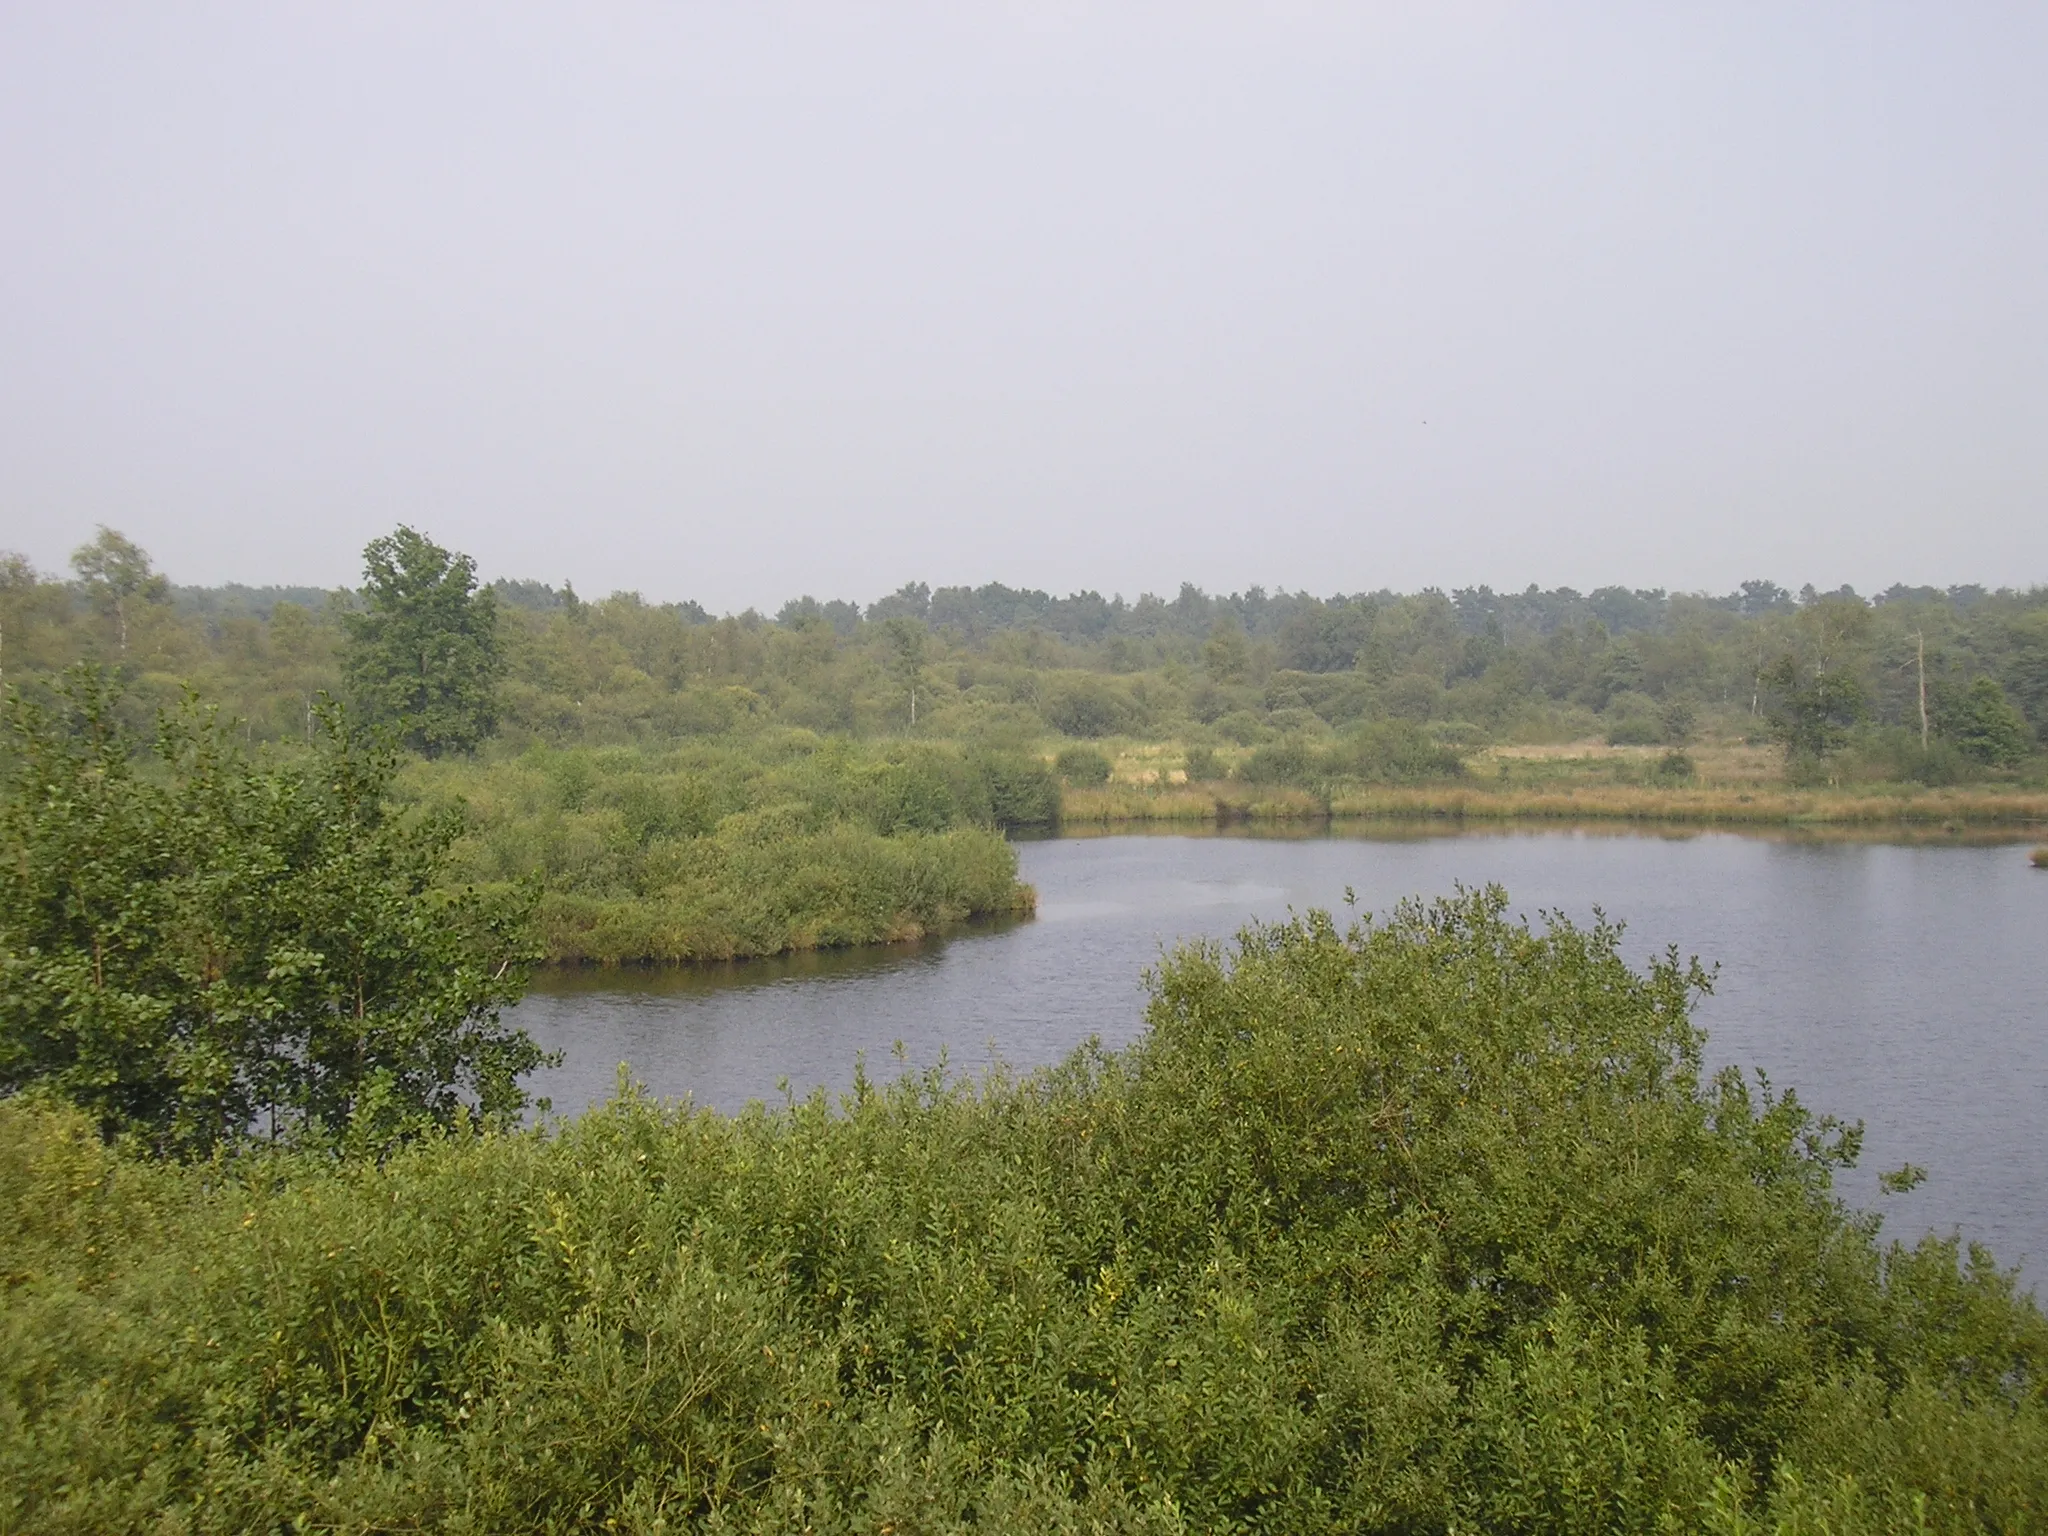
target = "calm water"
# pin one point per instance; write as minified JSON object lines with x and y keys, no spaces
{"x":1899,"y":984}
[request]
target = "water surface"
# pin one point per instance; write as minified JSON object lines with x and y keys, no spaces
{"x":1897,"y":984}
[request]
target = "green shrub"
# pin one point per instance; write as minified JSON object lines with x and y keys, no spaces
{"x":1020,"y":790}
{"x":1082,"y":765}
{"x":1394,"y":752}
{"x":1292,"y":761}
{"x":1202,"y":766}
{"x":1984,"y":726}
{"x":1090,"y":706}
{"x":213,"y":946}
{"x":1433,"y":1225}
{"x":647,"y":856}
{"x":1674,"y":766}
{"x":1382,"y":752}
{"x":1679,"y":720}
{"x":1635,"y":720}
{"x":1244,"y":728}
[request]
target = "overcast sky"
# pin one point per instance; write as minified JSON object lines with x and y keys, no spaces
{"x":735,"y":302}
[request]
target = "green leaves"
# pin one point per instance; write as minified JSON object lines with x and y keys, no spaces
{"x":205,"y":949}
{"x":1430,"y":1224}
{"x":423,"y":656}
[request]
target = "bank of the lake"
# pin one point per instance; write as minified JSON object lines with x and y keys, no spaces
{"x":1750,"y":805}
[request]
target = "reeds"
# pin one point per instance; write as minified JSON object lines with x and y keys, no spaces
{"x":1189,"y":803}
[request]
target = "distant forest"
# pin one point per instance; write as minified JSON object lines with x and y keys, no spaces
{"x":1916,"y":682}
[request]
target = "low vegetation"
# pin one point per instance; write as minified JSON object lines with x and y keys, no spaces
{"x":782,"y":841}
{"x":1916,"y":685}
{"x":1434,"y":1225}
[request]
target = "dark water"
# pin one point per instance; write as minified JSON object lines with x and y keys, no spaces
{"x":1903,"y":985}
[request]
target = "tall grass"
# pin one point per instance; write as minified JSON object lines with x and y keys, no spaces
{"x":1703,"y":804}
{"x":1700,"y":804}
{"x":1433,"y":1226}
{"x":1188,"y":803}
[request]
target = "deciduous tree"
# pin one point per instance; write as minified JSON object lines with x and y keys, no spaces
{"x":222,"y":948}
{"x":114,"y":570}
{"x":423,"y":654}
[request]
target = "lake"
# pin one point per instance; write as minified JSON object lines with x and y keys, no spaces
{"x":1899,"y":984}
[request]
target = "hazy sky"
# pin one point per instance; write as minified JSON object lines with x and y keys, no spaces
{"x":739,"y":301}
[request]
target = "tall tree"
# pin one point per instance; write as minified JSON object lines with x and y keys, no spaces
{"x":423,"y":655}
{"x":1813,"y":710}
{"x":219,"y":949}
{"x":906,"y":639}
{"x":113,"y":570}
{"x":17,"y":584}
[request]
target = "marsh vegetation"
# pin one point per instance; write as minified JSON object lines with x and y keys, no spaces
{"x":1436,"y":1224}
{"x":1433,"y":1224}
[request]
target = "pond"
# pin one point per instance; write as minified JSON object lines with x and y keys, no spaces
{"x":1899,"y":984}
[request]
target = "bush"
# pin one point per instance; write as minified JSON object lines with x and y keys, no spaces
{"x":1202,"y":766}
{"x":1433,"y":1225}
{"x":1292,"y":762}
{"x":225,"y":948}
{"x":1082,"y":765}
{"x":1985,"y":727}
{"x":1679,"y":720}
{"x":1088,"y":706}
{"x":1394,"y":752}
{"x":1244,"y":728}
{"x":1020,"y":790}
{"x":1634,"y":720}
{"x":1895,"y":753}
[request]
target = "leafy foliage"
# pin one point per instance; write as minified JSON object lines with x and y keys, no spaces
{"x":423,"y":656}
{"x":219,"y":948}
{"x":114,"y":571}
{"x":1985,"y":727}
{"x":715,"y":851}
{"x":1433,"y":1225}
{"x":1813,"y":710}
{"x":1386,"y":752}
{"x":998,"y":666}
{"x":1082,"y":765}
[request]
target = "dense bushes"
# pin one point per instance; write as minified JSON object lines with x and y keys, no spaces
{"x":196,"y":944}
{"x":1386,"y":752}
{"x":1430,"y":1227}
{"x":762,"y":884}
{"x":1082,"y":765}
{"x":711,"y":851}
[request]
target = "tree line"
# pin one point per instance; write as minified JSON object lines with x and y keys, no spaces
{"x":1914,"y":683}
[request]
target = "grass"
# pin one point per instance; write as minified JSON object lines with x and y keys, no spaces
{"x":1711,"y":804}
{"x":1730,"y":783}
{"x":2040,"y":857}
{"x":1224,"y":802}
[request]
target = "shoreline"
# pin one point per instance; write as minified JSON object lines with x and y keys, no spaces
{"x":1231,"y":804}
